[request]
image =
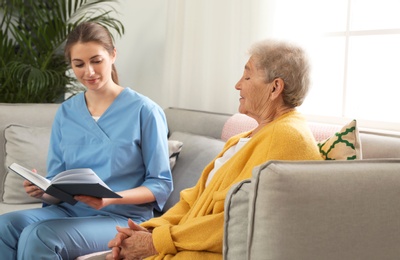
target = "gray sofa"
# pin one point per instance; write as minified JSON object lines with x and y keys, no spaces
{"x":289,"y":210}
{"x":25,"y":130}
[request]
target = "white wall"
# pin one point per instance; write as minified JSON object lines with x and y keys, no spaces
{"x":188,"y":54}
{"x":141,"y":49}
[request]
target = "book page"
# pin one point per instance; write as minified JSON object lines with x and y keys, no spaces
{"x":83,"y":175}
{"x":31,"y":176}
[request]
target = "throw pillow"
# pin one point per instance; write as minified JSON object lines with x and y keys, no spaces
{"x":343,"y":145}
{"x":174,"y":148}
{"x":236,"y":124}
{"x":27,"y":146}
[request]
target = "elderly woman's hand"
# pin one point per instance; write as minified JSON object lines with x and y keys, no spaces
{"x":133,"y":243}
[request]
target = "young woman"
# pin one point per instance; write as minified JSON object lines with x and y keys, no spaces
{"x":117,"y":132}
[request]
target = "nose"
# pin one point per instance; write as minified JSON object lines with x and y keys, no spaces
{"x":89,"y":70}
{"x":238,"y":85}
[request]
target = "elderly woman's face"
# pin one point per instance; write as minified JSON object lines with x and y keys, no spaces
{"x":254,"y":92}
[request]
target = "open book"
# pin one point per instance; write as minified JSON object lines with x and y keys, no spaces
{"x":67,"y":184}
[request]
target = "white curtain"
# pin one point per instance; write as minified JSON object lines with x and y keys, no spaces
{"x":206,"y":45}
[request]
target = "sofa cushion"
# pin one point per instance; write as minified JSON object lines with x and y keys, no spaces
{"x":198,"y":151}
{"x":27,"y":146}
{"x":343,"y":145}
{"x":38,"y":115}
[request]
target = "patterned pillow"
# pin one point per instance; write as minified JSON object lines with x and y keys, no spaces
{"x":343,"y":145}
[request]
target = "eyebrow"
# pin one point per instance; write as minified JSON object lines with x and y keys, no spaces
{"x":95,"y":56}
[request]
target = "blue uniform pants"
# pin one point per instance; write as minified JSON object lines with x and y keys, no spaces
{"x":54,"y":232}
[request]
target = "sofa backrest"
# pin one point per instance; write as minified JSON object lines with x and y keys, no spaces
{"x":196,"y":122}
{"x":380,"y":145}
{"x":200,"y":133}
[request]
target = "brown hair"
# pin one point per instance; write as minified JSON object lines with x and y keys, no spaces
{"x":91,"y":32}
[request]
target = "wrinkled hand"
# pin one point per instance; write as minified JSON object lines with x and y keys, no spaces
{"x":33,"y":190}
{"x":96,"y":203}
{"x":132,"y":243}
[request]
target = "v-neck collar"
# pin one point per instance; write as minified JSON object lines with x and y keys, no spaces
{"x":93,"y":125}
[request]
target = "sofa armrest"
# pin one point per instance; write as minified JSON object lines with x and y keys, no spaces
{"x":323,"y":210}
{"x":236,"y":220}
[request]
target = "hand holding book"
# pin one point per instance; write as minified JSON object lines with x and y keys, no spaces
{"x":31,"y":189}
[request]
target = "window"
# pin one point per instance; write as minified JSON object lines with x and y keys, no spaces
{"x":354,"y":47}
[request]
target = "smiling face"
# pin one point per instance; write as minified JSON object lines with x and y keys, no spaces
{"x":92,"y":64}
{"x":254,"y":92}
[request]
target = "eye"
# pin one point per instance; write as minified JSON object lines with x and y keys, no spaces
{"x":80,"y":65}
{"x":96,"y":61}
{"x":248,"y":78}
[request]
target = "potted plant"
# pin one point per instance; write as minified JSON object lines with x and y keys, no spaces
{"x":33,"y":68}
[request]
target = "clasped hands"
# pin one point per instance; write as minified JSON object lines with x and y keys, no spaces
{"x":132,"y":243}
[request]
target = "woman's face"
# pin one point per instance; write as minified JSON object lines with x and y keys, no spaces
{"x":92,"y":64}
{"x":254,"y":92}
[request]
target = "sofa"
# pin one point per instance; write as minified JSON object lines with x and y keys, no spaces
{"x":344,"y":207}
{"x":24,"y":138}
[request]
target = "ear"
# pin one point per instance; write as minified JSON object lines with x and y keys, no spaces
{"x":114,"y":55}
{"x":277,"y":86}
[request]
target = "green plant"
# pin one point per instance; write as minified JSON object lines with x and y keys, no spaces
{"x":32,"y":36}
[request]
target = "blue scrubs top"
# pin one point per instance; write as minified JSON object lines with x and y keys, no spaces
{"x":127,"y":147}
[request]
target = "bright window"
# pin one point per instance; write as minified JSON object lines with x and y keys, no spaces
{"x":354,"y":46}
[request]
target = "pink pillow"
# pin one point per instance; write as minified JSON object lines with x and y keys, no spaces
{"x":236,"y":124}
{"x":323,"y":131}
{"x":239,"y":123}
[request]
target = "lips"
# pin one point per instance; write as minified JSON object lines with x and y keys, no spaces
{"x":91,"y":81}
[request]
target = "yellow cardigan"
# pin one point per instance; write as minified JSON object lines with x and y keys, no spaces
{"x":193,"y":228}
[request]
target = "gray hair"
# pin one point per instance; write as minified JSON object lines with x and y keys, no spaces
{"x":286,"y":61}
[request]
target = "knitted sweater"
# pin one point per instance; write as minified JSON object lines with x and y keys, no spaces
{"x":193,"y":228}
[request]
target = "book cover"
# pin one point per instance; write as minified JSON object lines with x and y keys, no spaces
{"x":67,"y":184}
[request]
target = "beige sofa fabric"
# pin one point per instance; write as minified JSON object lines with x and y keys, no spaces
{"x":195,"y":122}
{"x":323,"y":210}
{"x":27,"y":146}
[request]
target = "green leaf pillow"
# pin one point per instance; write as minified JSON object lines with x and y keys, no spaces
{"x":343,"y":145}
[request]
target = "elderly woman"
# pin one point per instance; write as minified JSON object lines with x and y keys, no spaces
{"x":275,"y":81}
